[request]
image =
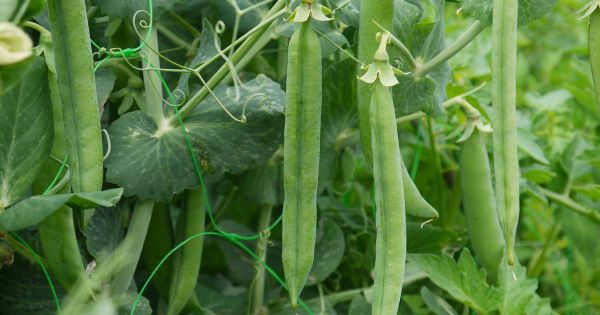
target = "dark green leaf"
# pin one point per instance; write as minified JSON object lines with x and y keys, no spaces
{"x":121,"y":9}
{"x":329,"y":251}
{"x":34,"y":210}
{"x":105,"y":82}
{"x":104,"y":232}
{"x":359,"y":306}
{"x":436,"y":303}
{"x":529,"y":10}
{"x":26,"y":137}
{"x":11,"y":75}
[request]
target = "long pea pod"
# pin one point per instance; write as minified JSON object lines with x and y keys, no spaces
{"x":594,"y":47}
{"x":504,"y":90}
{"x":382,"y":12}
{"x":159,"y":241}
{"x":390,"y":248}
{"x":76,"y":82}
{"x":301,"y":157}
{"x":57,"y":232}
{"x":186,"y":264}
{"x":480,"y":205}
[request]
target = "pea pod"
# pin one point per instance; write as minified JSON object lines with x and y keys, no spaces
{"x":301,"y":157}
{"x":382,"y":12}
{"x":390,"y":248}
{"x":75,"y":72}
{"x":416,"y":205}
{"x":480,"y":205}
{"x":186,"y":265}
{"x":594,"y":47}
{"x":159,"y":241}
{"x":504,"y":99}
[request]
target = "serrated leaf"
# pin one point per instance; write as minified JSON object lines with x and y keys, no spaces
{"x":153,"y":164}
{"x":34,"y":210}
{"x":424,"y":40}
{"x":527,"y":144}
{"x":463,"y":280}
{"x":27,"y":133}
{"x":436,"y":303}
{"x":329,"y":251}
{"x":529,"y":10}
{"x":517,"y":293}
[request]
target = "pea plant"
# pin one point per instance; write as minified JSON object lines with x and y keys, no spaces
{"x":299,"y":157}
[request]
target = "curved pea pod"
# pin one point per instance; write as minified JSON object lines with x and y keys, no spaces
{"x":594,"y":47}
{"x":382,"y":12}
{"x":479,"y":204}
{"x":301,"y":157}
{"x":157,"y":244}
{"x":186,"y":266}
{"x":416,"y":205}
{"x":390,"y":247}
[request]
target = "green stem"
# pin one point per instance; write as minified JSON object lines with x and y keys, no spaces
{"x":504,"y":83}
{"x":438,"y":181}
{"x":594,"y":47}
{"x":571,"y":204}
{"x":258,"y":297}
{"x":75,"y":71}
{"x":132,"y":245}
{"x":249,"y":44}
{"x":152,"y":83}
{"x":465,"y":39}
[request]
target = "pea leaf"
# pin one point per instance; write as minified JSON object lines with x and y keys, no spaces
{"x":527,"y":144}
{"x":424,"y":40}
{"x":121,"y":9}
{"x":26,"y":137}
{"x":436,"y":303}
{"x":359,"y":306}
{"x":329,"y":251}
{"x":518,"y":295}
{"x":338,"y":117}
{"x":529,"y":10}
{"x":34,"y":210}
{"x":155,"y":164}
{"x":462,"y":280}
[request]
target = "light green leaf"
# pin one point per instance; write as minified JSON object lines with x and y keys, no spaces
{"x":529,"y":10}
{"x":463,"y":280}
{"x":436,"y":303}
{"x":105,"y":82}
{"x":538,"y":174}
{"x":26,"y":133}
{"x":527,"y":144}
{"x":517,"y":293}
{"x":155,"y":164}
{"x":34,"y":210}
{"x":329,"y":251}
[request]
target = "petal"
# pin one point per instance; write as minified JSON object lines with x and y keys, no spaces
{"x":371,"y":75}
{"x":387,"y":76}
{"x":15,"y":44}
{"x":302,"y":13}
{"x":317,"y":13}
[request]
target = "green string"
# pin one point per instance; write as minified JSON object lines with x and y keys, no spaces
{"x":63,"y":164}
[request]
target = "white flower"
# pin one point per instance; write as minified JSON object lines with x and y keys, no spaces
{"x":310,"y":8}
{"x":15,"y":45}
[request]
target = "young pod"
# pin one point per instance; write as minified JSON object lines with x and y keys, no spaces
{"x":301,"y":157}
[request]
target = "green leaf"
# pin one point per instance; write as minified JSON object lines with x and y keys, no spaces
{"x":329,"y":251}
{"x":529,"y":10}
{"x":583,"y":233}
{"x":155,"y":164}
{"x":207,"y":48}
{"x":105,"y":82}
{"x":424,"y":40}
{"x":104,"y":232}
{"x":359,"y":306}
{"x":592,"y":190}
{"x":427,"y":238}
{"x":34,"y":210}
{"x":26,"y":137}
{"x":527,"y":144}
{"x":463,"y":280}
{"x":517,"y":293}
{"x":121,"y":9}
{"x":436,"y":303}
{"x":538,"y":174}
{"x":8,"y":8}
{"x":11,"y":75}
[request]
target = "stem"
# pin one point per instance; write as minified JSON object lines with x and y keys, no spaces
{"x":189,"y":27}
{"x":261,"y":251}
{"x":152,"y":82}
{"x":504,"y":83}
{"x":249,"y":44}
{"x":132,"y":245}
{"x":438,"y":180}
{"x":75,"y":71}
{"x":571,"y":204}
{"x":465,"y":39}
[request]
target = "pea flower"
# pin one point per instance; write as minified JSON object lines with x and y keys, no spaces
{"x":15,"y":44}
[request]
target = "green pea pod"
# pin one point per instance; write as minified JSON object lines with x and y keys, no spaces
{"x":594,"y":46}
{"x":416,"y":205}
{"x":480,"y":205}
{"x":301,"y":157}
{"x":186,"y":265}
{"x":57,"y":232}
{"x":75,"y":72}
{"x":382,"y":12}
{"x":504,"y":99}
{"x":390,"y":247}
